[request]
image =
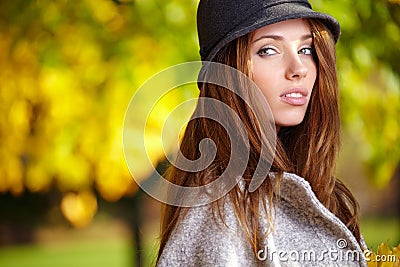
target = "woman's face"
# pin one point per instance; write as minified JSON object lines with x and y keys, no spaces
{"x":284,"y":69}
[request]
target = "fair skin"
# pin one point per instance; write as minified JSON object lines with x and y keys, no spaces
{"x":284,"y":69}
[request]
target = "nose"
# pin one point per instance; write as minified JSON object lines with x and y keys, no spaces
{"x":296,"y":69}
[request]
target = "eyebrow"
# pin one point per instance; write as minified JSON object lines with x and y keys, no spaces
{"x":281,"y":38}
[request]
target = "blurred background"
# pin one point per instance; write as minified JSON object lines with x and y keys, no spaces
{"x":68,"y":70}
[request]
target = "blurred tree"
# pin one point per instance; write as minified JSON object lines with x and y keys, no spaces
{"x":18,"y":227}
{"x":68,"y":70}
{"x":369,"y":73}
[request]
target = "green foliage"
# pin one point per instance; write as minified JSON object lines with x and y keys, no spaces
{"x":369,"y":76}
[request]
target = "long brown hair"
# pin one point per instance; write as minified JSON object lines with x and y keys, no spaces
{"x":308,"y":149}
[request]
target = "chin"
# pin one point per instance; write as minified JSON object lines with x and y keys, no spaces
{"x":288,"y":118}
{"x":289,"y":122}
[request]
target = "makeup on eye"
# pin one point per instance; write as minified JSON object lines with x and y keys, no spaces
{"x":269,"y":51}
{"x":306,"y":51}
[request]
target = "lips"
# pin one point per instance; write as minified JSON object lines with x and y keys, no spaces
{"x":295,"y":96}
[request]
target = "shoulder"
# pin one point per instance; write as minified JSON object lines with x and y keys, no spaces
{"x":303,"y":226}
{"x":202,"y":239}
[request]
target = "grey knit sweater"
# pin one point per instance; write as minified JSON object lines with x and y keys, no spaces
{"x":305,"y":234}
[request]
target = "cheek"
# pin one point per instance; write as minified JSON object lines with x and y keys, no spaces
{"x":264,"y":77}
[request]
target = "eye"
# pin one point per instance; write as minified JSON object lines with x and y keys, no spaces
{"x":306,"y":51}
{"x":267,"y":51}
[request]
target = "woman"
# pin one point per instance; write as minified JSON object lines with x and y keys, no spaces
{"x":299,"y":214}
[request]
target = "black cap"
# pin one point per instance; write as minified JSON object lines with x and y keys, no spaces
{"x":222,"y":21}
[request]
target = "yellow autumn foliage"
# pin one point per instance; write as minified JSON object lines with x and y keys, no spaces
{"x":79,"y":208}
{"x":69,"y":69}
{"x":384,"y":256}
